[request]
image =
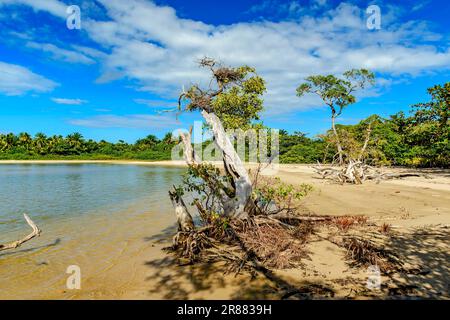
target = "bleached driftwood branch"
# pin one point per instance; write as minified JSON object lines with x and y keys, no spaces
{"x":356,"y":172}
{"x":36,"y":232}
{"x":184,"y":218}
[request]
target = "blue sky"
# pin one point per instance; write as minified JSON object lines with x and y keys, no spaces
{"x":111,"y":79}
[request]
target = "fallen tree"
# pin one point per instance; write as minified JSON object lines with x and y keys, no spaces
{"x":356,"y":172}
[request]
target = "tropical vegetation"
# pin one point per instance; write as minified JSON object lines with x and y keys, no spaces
{"x":420,"y":137}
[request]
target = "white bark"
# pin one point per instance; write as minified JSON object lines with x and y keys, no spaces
{"x":236,"y":206}
{"x":184,"y":218}
{"x":189,"y":153}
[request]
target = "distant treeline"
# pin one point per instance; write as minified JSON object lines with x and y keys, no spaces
{"x":420,"y":138}
{"x":74,"y":146}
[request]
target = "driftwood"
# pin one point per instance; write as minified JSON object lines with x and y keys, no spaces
{"x":356,"y":172}
{"x":36,"y":232}
{"x":189,"y":153}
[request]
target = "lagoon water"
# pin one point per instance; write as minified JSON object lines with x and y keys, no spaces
{"x":105,"y":218}
{"x":50,"y":192}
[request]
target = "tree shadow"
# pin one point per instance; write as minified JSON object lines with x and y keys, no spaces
{"x":427,"y":249}
{"x":176,"y":281}
{"x":164,"y":236}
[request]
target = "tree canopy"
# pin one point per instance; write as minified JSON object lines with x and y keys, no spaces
{"x":234,"y":95}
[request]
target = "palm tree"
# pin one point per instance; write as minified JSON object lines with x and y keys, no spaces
{"x":147,"y":143}
{"x":25,"y":140}
{"x":40,"y":143}
{"x":75,"y":142}
{"x":10,"y":141}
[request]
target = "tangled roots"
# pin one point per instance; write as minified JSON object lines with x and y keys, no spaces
{"x":190,"y":244}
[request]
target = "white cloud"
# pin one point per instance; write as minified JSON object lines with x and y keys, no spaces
{"x":68,"y":101}
{"x":420,"y":5}
{"x":163,"y":58}
{"x":274,"y":8}
{"x":142,"y":121}
{"x":157,"y":50}
{"x":157,"y":103}
{"x":90,"y":52}
{"x":61,"y":54}
{"x":319,"y":3}
{"x":55,"y":7}
{"x":18,"y":80}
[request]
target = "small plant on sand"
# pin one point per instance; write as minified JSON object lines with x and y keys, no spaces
{"x":344,"y":223}
{"x":385,"y":228}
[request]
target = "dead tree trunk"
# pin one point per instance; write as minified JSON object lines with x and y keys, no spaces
{"x":184,"y":218}
{"x":189,"y":153}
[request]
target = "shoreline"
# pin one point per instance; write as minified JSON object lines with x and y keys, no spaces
{"x":134,"y":162}
{"x":127,"y":261}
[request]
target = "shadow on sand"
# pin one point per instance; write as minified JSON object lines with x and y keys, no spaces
{"x":171,"y":280}
{"x":428,"y":249}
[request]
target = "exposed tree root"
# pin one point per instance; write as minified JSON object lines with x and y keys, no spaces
{"x":274,"y":245}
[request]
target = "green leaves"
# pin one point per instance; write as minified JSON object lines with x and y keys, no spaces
{"x":74,"y":146}
{"x":235,"y":95}
{"x":337,"y":92}
{"x":429,"y":128}
{"x":280,"y":192}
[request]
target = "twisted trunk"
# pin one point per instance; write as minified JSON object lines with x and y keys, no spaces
{"x":239,"y":206}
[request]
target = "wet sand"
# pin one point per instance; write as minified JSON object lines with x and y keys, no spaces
{"x":120,"y":255}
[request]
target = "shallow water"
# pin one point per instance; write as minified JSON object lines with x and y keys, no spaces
{"x":61,"y":191}
{"x":93,"y":215}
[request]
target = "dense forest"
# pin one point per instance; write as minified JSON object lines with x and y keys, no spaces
{"x":75,"y":146}
{"x":419,"y":138}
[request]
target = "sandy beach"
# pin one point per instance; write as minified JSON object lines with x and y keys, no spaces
{"x":127,"y":262}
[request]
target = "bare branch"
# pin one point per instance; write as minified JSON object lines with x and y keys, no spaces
{"x":36,"y":232}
